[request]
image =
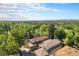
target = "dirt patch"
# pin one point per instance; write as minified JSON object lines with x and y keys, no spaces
{"x":67,"y":51}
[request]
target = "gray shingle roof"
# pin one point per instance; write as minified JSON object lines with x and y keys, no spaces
{"x":48,"y":44}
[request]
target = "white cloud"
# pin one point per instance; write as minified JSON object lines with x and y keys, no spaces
{"x":8,"y":5}
{"x":13,"y":18}
{"x":41,"y":8}
{"x":34,"y":16}
{"x":56,"y":10}
{"x":17,"y":11}
{"x":18,"y":8}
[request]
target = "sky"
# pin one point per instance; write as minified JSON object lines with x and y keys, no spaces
{"x":38,"y":11}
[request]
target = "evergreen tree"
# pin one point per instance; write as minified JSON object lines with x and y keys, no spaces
{"x":51,"y":31}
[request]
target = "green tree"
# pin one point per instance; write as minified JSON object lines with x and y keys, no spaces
{"x":12,"y":47}
{"x":43,"y":30}
{"x":69,"y":37}
{"x":2,"y":44}
{"x":76,"y":40}
{"x":51,"y":30}
{"x":60,"y":34}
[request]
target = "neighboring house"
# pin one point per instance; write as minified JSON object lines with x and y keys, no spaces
{"x":50,"y":45}
{"x":41,"y":52}
{"x":38,"y":39}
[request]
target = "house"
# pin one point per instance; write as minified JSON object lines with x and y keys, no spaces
{"x":41,"y":52}
{"x":67,"y":51}
{"x":50,"y":45}
{"x":38,"y":39}
{"x":42,"y":46}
